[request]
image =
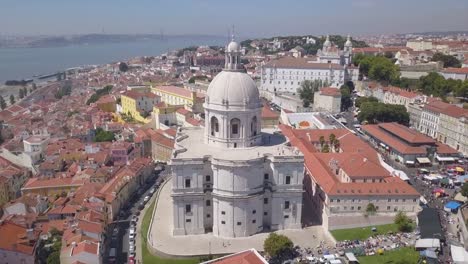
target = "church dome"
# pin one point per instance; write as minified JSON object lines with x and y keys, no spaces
{"x":234,"y":89}
{"x":233,"y":47}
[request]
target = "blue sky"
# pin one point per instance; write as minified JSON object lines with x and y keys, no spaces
{"x":214,"y":17}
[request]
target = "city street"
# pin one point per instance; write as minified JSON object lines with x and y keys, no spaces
{"x":121,"y":241}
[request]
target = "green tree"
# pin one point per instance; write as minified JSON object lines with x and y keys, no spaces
{"x":322,"y":141}
{"x":404,"y":223}
{"x":307,"y":90}
{"x":375,"y":112}
{"x":3,"y":104}
{"x":464,"y":190}
{"x":346,"y":101}
{"x":25,"y":91}
{"x":436,"y":85}
{"x":462,"y":90}
{"x":361,"y":100}
{"x":21,"y":93}
{"x":332,"y":138}
{"x":12,"y":99}
{"x":383,"y":70}
{"x":377,"y":68}
{"x":123,"y":67}
{"x":326,"y":148}
{"x":99,"y":93}
{"x":54,"y":258}
{"x":371,"y":209}
{"x":277,"y":245}
{"x":448,"y":60}
{"x":102,"y":135}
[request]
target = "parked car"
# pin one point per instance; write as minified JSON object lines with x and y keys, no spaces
{"x":131,"y":248}
{"x":112,"y":255}
{"x":141,"y":206}
{"x":134,"y":218}
{"x":131,"y":236}
{"x":152,"y":191}
{"x":146,"y":199}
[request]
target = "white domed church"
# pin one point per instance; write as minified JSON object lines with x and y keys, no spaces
{"x":231,"y":178}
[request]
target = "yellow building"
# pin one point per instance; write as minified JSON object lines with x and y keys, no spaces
{"x":174,"y":95}
{"x":135,"y":103}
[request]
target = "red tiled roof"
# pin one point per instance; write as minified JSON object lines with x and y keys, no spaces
{"x":14,"y":238}
{"x":409,"y":135}
{"x":391,"y":186}
{"x":445,"y":108}
{"x":330,"y":91}
{"x":391,"y":141}
{"x":162,"y":140}
{"x":268,"y":113}
{"x":456,"y":70}
{"x":244,"y":257}
{"x":36,"y":183}
{"x":401,"y":92}
{"x":357,"y":159}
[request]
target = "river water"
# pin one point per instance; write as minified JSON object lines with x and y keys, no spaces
{"x":23,"y":63}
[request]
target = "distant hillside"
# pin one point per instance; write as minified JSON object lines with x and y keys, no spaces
{"x":291,"y":42}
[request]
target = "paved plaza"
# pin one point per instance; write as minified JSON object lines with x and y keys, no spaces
{"x":164,"y":243}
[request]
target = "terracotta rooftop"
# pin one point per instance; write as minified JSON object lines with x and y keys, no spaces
{"x":330,"y":91}
{"x":445,"y":108}
{"x":14,"y":238}
{"x":356,"y":158}
{"x":162,"y":140}
{"x":36,"y":183}
{"x":401,"y":92}
{"x":409,"y":135}
{"x":456,"y":70}
{"x":268,"y":113}
{"x":250,"y":256}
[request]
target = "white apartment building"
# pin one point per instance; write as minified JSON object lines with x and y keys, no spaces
{"x":398,"y":96}
{"x":445,"y":122}
{"x":453,"y":129}
{"x":231,"y":178}
{"x":455,"y":73}
{"x":419,"y":45}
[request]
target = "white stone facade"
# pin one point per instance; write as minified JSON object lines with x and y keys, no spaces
{"x":231,"y":178}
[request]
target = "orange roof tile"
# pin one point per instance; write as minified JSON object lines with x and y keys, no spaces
{"x":14,"y":238}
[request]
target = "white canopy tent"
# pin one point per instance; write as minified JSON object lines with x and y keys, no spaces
{"x":423,"y":160}
{"x":459,"y":255}
{"x":444,"y":158}
{"x":426,"y":243}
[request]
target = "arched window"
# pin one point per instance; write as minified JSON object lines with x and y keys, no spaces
{"x":214,"y":125}
{"x":235,"y":128}
{"x":253,"y":126}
